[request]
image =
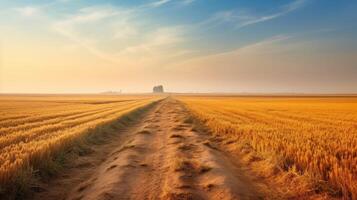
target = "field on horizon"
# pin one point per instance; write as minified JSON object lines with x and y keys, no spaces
{"x":32,"y":127}
{"x":307,"y":145}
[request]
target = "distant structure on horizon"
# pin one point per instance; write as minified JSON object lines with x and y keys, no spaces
{"x":158,"y":89}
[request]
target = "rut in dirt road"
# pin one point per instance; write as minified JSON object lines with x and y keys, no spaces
{"x":165,"y":157}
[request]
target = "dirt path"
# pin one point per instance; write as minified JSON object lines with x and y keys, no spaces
{"x":162,"y":157}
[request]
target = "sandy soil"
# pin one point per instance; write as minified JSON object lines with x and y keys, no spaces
{"x":161,"y":157}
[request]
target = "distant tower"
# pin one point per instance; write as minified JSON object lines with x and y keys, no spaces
{"x":158,"y":89}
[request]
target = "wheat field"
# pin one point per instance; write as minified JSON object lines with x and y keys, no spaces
{"x":310,"y":137}
{"x":33,"y":127}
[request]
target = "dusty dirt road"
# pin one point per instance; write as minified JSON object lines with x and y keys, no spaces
{"x":161,"y":157}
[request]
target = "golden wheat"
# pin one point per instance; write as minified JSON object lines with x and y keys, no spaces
{"x":315,"y":136}
{"x":32,"y":127}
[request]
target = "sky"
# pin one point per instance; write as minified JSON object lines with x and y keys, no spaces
{"x":264,"y":46}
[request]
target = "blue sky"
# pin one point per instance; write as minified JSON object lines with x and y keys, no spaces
{"x":188,"y":45}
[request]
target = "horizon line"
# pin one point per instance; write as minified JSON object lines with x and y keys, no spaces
{"x":192,"y":93}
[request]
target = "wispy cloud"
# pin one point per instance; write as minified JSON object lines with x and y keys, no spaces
{"x":33,"y":10}
{"x":265,"y":42}
{"x":228,"y":16}
{"x":246,"y":48}
{"x":90,"y":14}
{"x":243,"y":18}
{"x":70,"y":27}
{"x":120,"y":33}
{"x":157,"y":40}
{"x":224,"y":59}
{"x":120,"y":26}
{"x":159,"y":3}
{"x":285,"y":10}
{"x":28,"y":10}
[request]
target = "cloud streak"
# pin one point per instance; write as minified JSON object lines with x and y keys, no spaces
{"x":28,"y":11}
{"x":90,"y":17}
{"x":236,"y":52}
{"x":159,"y":3}
{"x":242,"y":18}
{"x":124,"y":26}
{"x":119,"y":25}
{"x":285,"y":10}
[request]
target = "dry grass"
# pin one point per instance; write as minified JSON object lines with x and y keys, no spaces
{"x":33,"y":128}
{"x":312,"y":141}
